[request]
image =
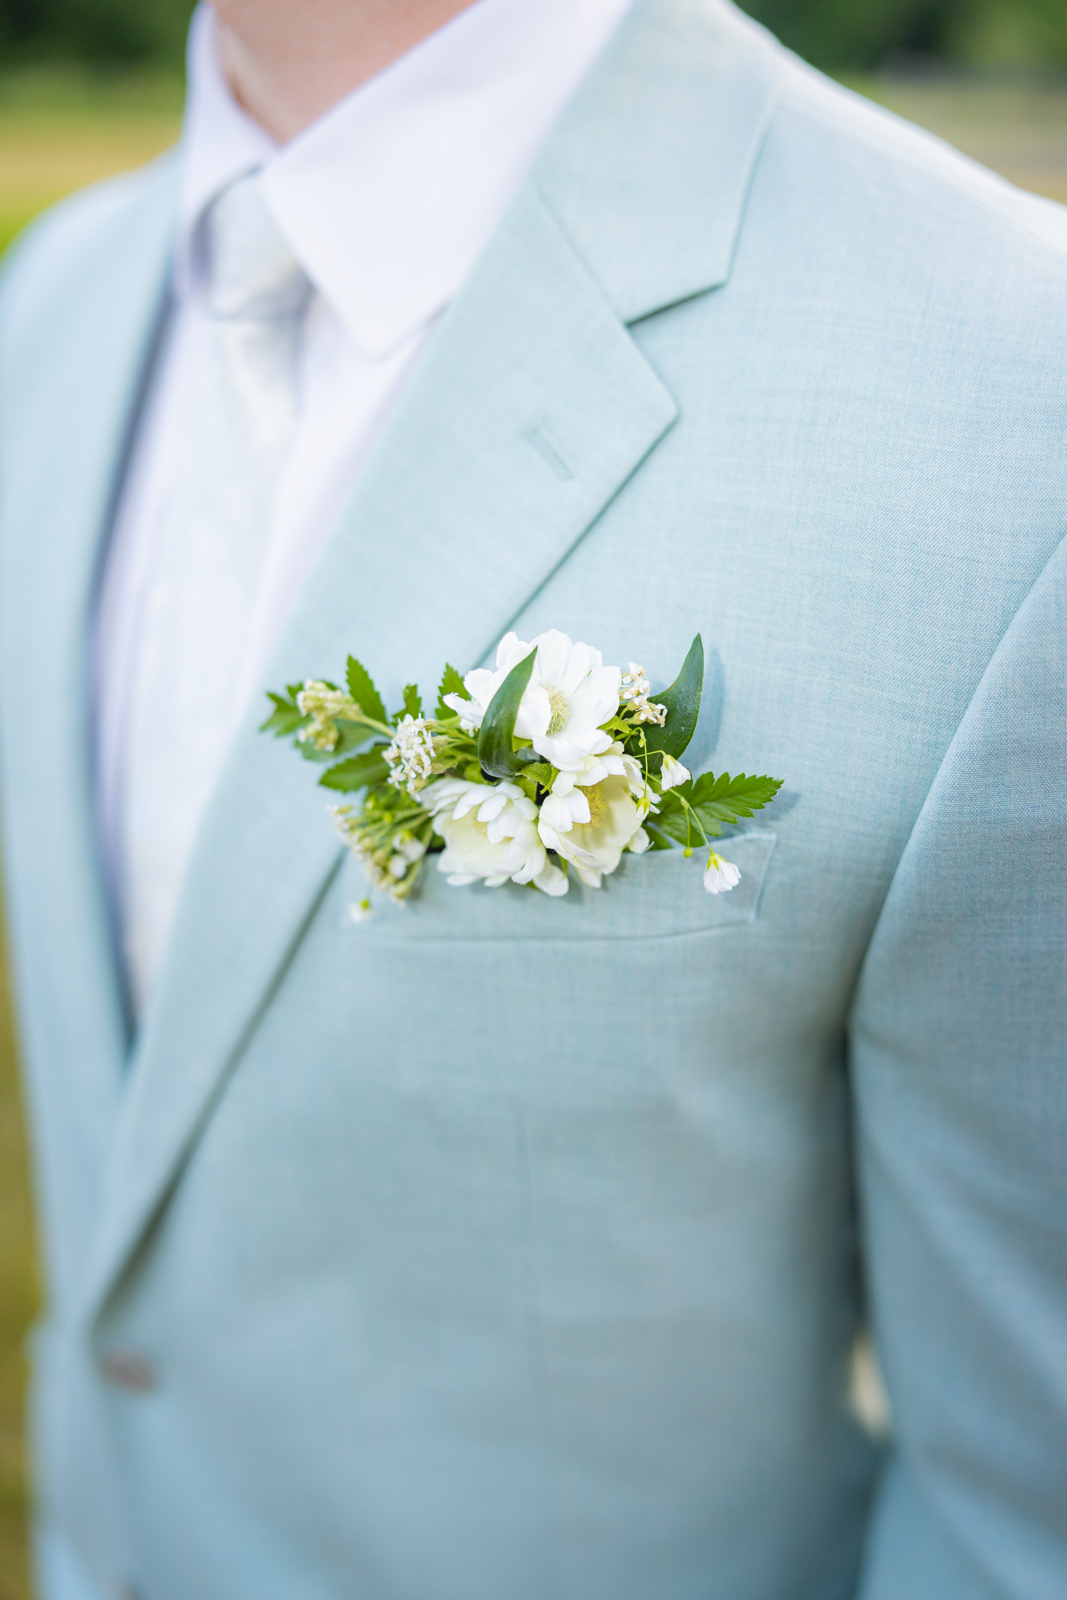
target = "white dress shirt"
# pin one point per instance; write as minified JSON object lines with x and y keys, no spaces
{"x":386,"y":201}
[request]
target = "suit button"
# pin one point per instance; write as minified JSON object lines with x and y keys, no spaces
{"x":129,"y":1370}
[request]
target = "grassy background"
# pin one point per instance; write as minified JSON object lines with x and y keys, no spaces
{"x":61,"y":128}
{"x":18,"y":1295}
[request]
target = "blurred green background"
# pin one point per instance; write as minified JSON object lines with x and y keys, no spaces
{"x":89,"y":87}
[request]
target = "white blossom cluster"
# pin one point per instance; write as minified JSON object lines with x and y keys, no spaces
{"x":413,"y":752}
{"x":634,"y":692}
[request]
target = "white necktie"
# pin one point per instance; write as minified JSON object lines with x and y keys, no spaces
{"x":209,"y":550}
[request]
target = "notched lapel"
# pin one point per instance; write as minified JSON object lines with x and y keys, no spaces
{"x":532,"y":409}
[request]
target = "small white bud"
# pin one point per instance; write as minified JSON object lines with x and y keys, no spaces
{"x":720,"y":875}
{"x":673,"y":773}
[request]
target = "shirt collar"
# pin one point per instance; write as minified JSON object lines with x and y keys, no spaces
{"x":389,"y":198}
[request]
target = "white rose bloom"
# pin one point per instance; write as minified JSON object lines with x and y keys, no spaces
{"x":570,"y":693}
{"x":673,"y":773}
{"x":720,"y":875}
{"x":591,"y":817}
{"x":490,"y":835}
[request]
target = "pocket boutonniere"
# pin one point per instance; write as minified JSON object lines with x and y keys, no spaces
{"x":547,"y":764}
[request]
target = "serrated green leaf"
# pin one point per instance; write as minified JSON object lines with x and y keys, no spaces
{"x":363,"y":692}
{"x":682,"y":700}
{"x":451,"y":683}
{"x":412,"y":702}
{"x":541,"y":771}
{"x":498,"y":726}
{"x":727,"y":798}
{"x":686,"y":827}
{"x":677,"y":826}
{"x":659,"y":840}
{"x":286,"y":718}
{"x":358,"y":772}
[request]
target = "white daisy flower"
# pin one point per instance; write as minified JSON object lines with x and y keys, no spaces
{"x":571,"y":692}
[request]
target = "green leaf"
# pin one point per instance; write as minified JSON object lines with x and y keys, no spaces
{"x":286,"y":718}
{"x":363,"y":691}
{"x":725,"y":799}
{"x":710,"y":823}
{"x":498,"y":727}
{"x":660,"y":840}
{"x":358,"y":772}
{"x":541,"y":771}
{"x":678,"y":826}
{"x":682,"y":700}
{"x":412,"y":703}
{"x":671,"y":800}
{"x":451,"y":683}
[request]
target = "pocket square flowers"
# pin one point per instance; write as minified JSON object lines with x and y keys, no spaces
{"x":550,"y":763}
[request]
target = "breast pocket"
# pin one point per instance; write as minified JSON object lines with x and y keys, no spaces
{"x":658,"y":895}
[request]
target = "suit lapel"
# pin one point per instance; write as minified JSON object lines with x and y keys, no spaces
{"x":71,"y":390}
{"x":531,"y":410}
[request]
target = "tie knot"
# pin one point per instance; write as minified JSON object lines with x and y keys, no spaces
{"x":251,"y":272}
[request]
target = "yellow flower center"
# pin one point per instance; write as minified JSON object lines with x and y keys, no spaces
{"x":560,"y":711}
{"x":596,"y":805}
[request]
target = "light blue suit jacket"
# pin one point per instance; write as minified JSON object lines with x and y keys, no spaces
{"x":511,"y":1249}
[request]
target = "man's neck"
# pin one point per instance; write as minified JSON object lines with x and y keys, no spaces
{"x":288,"y":61}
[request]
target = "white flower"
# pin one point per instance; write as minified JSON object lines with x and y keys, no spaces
{"x":490,"y":835}
{"x":571,"y":692}
{"x":482,"y":685}
{"x":592,"y":816}
{"x":634,"y":689}
{"x":720,"y":875}
{"x":569,"y":695}
{"x":567,"y":802}
{"x":673,"y":773}
{"x":360,"y":910}
{"x":413,"y":752}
